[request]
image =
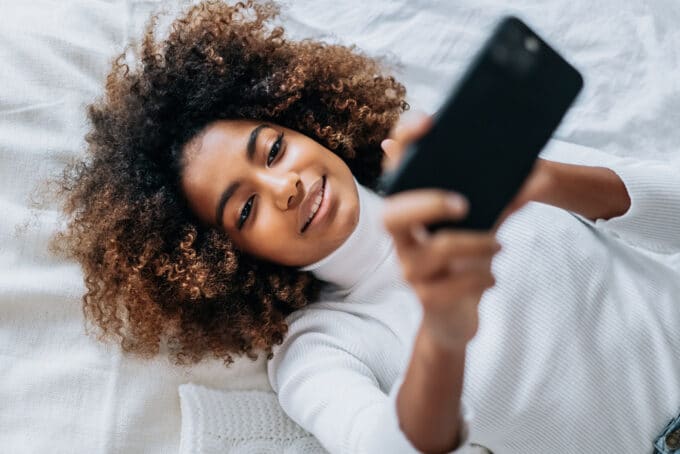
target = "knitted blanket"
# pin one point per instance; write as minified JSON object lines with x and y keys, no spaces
{"x":239,"y":422}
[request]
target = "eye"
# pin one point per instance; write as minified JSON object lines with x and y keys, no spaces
{"x":245,"y":212}
{"x":274,"y":152}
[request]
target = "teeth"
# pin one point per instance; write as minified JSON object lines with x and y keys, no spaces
{"x":315,"y":207}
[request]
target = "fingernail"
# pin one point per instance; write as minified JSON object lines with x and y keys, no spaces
{"x":420,"y":233}
{"x":456,"y":202}
{"x":413,"y":117}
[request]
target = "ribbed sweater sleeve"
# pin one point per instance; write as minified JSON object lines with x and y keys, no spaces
{"x":653,"y":219}
{"x":332,"y":394}
{"x":323,"y":386}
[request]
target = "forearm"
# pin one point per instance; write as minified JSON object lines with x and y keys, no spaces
{"x":592,"y":192}
{"x":428,"y":404}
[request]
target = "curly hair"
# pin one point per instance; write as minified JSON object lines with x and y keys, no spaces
{"x":154,"y":274}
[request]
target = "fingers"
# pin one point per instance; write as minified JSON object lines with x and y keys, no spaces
{"x":437,"y":295}
{"x":433,"y":270}
{"x":406,"y":210}
{"x":393,"y":153}
{"x":411,"y":127}
{"x":448,"y":252}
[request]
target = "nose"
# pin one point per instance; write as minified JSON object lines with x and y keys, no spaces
{"x":285,"y":189}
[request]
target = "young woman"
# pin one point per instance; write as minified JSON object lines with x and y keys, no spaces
{"x":226,"y":207}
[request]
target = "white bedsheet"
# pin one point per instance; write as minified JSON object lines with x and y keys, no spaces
{"x":60,"y":391}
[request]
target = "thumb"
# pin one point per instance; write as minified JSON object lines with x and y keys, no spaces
{"x":393,"y":152}
{"x":412,"y":126}
{"x":409,"y":128}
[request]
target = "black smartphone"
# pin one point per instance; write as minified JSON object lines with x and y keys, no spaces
{"x":490,"y":130}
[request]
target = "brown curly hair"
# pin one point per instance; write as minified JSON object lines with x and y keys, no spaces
{"x":154,"y":274}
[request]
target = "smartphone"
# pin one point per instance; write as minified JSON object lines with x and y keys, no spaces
{"x":492,"y":126}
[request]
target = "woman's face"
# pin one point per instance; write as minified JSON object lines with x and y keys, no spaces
{"x":261,"y":182}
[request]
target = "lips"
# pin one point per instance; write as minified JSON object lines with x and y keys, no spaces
{"x":308,"y":204}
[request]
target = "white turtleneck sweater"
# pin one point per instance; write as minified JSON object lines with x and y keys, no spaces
{"x":578,"y":347}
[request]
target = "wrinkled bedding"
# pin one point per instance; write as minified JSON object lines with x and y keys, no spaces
{"x":61,"y":391}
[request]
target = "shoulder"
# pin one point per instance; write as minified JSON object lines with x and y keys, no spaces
{"x":331,"y":335}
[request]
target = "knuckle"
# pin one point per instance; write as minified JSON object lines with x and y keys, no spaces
{"x":491,"y":241}
{"x":443,"y":242}
{"x":488,"y":253}
{"x":442,"y":204}
{"x":434,"y":245}
{"x":455,"y":245}
{"x":487,"y":246}
{"x":485,"y":281}
{"x":475,"y":282}
{"x":468,"y":286}
{"x":459,"y":247}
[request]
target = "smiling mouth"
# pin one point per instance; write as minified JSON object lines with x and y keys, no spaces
{"x":317,"y":204}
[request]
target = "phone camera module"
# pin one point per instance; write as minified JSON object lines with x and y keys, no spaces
{"x":500,"y":54}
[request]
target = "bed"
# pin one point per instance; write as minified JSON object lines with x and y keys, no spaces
{"x":61,"y":391}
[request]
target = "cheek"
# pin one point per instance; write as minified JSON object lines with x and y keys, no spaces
{"x":272,"y":232}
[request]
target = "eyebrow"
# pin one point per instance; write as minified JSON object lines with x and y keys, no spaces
{"x":252,"y":140}
{"x":224,"y":198}
{"x":231,"y":189}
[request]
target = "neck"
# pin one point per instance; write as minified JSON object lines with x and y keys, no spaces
{"x":362,"y":252}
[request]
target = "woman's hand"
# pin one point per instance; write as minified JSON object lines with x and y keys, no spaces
{"x":450,"y":269}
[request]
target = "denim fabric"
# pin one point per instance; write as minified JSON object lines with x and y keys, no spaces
{"x":668,"y":442}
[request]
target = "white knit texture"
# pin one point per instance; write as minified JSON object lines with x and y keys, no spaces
{"x":239,"y":422}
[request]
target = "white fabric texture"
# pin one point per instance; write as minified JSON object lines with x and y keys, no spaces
{"x":239,"y":422}
{"x":61,"y":391}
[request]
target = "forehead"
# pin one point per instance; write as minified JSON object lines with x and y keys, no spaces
{"x":212,"y":158}
{"x":218,"y":136}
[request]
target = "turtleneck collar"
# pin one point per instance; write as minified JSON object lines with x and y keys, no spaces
{"x":363,"y":251}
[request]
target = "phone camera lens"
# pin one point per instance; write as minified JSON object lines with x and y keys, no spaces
{"x":531,"y":44}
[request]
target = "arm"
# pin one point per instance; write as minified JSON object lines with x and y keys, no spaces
{"x":448,"y":270}
{"x":428,"y":403}
{"x":324,"y":385}
{"x":592,"y":192}
{"x":638,"y":200}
